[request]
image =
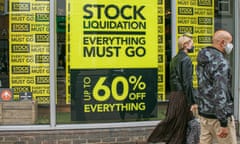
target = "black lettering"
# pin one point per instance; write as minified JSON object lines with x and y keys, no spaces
{"x":89,"y":12}
{"x":108,"y":12}
{"x":138,"y":12}
{"x":123,"y":14}
{"x":99,"y":10}
{"x":21,"y":69}
{"x":97,"y":51}
{"x":113,"y":11}
{"x":42,"y":79}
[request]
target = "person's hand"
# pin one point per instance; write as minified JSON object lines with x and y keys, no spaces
{"x":223,"y":132}
{"x":194,"y":107}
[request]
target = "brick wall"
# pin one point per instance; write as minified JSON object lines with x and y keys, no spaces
{"x":131,"y":135}
{"x":136,"y":135}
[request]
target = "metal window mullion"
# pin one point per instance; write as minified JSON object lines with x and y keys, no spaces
{"x":173,"y":27}
{"x":236,"y":60}
{"x":52,"y":64}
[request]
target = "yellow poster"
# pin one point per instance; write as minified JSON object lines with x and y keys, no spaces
{"x":29,"y":48}
{"x":196,"y":17}
{"x":113,"y":33}
{"x":161,"y":52}
{"x":113,"y":59}
{"x":67,"y":87}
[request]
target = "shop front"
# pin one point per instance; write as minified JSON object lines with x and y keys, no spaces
{"x":97,"y":71}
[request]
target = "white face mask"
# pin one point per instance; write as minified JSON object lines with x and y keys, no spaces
{"x":228,"y":48}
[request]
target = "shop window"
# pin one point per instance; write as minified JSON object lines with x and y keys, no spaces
{"x":24,"y":55}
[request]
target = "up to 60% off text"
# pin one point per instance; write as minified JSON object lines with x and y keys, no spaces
{"x":102,"y":92}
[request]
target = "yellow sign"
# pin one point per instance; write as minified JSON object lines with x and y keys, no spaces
{"x":29,"y":48}
{"x":161,"y":51}
{"x":196,"y":17}
{"x":113,"y":34}
{"x":113,"y":58}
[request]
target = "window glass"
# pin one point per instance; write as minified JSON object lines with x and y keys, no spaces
{"x":24,"y":55}
{"x":24,"y":50}
{"x":201,"y":18}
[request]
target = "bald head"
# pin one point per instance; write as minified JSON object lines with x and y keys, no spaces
{"x":220,"y":38}
{"x":222,"y":35}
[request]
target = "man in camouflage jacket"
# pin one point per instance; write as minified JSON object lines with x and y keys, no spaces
{"x":214,"y":99}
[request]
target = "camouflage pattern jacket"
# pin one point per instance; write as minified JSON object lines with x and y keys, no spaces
{"x":214,"y":85}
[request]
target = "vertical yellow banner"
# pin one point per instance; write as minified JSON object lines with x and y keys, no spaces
{"x":68,"y":96}
{"x":196,"y":17}
{"x":161,"y":51}
{"x":29,"y":48}
{"x":114,"y":58}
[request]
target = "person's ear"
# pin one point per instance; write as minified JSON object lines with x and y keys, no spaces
{"x":222,"y":43}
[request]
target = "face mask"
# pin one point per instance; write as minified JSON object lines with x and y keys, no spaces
{"x":228,"y":48}
{"x":191,"y":50}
